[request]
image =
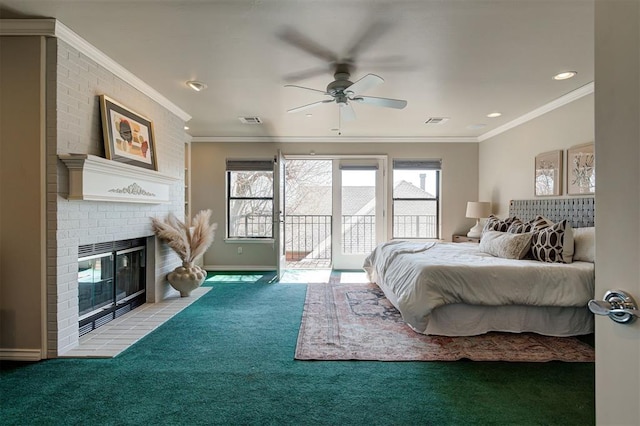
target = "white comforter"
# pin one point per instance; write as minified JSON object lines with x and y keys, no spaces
{"x":420,"y":277}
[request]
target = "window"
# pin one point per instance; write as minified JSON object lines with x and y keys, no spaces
{"x":416,"y":198}
{"x":249,"y":198}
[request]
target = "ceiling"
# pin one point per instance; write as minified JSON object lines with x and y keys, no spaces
{"x":456,"y":59}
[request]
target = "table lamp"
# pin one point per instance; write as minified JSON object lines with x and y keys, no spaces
{"x":477,"y":210}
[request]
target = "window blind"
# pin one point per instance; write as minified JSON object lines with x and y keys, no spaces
{"x":358,"y":167}
{"x":426,"y":164}
{"x":244,"y":165}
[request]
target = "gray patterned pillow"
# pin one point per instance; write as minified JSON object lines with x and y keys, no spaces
{"x":537,"y":224}
{"x":505,"y":245}
{"x":553,"y":244}
{"x":495,"y":224}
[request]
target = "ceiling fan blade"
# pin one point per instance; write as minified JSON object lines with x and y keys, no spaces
{"x":364,"y":84}
{"x":302,"y":42}
{"x":367,"y":38}
{"x":383,"y":102}
{"x":346,"y":112}
{"x":306,"y":74}
{"x":303,"y":107}
{"x":306,"y":88}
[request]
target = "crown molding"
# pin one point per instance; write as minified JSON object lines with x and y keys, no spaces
{"x":585,"y":90}
{"x":337,"y":139}
{"x":28,"y":27}
{"x":54,"y":28}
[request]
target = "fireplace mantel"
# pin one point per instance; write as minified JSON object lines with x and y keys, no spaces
{"x":98,"y":179}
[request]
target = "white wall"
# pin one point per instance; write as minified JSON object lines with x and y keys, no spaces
{"x":459,"y":185}
{"x":506,"y":161}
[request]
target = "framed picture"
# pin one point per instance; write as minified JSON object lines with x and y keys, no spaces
{"x":548,"y":174}
{"x":128,"y":137}
{"x":581,"y":169}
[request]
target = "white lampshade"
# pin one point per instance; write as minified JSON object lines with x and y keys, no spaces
{"x":477,"y":210}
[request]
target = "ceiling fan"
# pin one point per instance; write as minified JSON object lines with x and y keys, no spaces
{"x":344,"y":93}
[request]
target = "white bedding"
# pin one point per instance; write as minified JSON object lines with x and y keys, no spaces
{"x":420,"y":277}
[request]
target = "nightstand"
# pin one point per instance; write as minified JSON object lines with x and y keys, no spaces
{"x":464,"y":239}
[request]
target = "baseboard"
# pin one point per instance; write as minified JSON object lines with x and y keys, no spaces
{"x":238,"y":268}
{"x":20,"y":354}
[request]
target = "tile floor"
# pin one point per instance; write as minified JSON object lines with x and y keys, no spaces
{"x":114,"y":337}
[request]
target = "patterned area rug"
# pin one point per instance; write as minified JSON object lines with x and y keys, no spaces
{"x":357,"y":322}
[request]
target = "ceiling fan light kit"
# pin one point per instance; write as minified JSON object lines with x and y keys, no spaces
{"x":343,"y":92}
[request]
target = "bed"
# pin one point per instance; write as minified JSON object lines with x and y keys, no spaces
{"x":458,"y":289}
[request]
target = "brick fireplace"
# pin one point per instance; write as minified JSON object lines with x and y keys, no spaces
{"x":76,"y":81}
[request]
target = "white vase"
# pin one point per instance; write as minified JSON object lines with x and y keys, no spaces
{"x":186,"y":278}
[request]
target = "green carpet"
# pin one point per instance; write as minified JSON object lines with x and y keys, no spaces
{"x":228,"y":359}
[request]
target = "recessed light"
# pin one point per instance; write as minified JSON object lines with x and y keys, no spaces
{"x":186,"y":127}
{"x":309,"y":115}
{"x":565,"y":75}
{"x":198,"y":86}
{"x":494,"y":114}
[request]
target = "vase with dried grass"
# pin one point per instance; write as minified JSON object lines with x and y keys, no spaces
{"x":189,"y":242}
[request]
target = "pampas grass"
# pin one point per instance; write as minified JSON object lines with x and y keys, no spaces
{"x":187,"y":242}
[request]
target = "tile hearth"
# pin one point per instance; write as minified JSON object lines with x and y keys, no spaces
{"x":113,"y":338}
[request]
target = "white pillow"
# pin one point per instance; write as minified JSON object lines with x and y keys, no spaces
{"x":584,"y":243}
{"x":505,"y":244}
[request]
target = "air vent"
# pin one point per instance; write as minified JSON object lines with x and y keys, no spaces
{"x":250,"y":120}
{"x":436,"y":120}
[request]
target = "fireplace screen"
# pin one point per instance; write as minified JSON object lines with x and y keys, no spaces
{"x":95,"y":283}
{"x":109,"y":285}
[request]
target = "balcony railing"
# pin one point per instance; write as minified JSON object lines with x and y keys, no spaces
{"x":358,"y":234}
{"x":309,"y":236}
{"x":251,"y":226}
{"x":415,"y":226}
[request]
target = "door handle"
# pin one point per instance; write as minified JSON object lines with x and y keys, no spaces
{"x":617,"y":305}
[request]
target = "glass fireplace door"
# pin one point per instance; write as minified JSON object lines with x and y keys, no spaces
{"x":130,"y":274}
{"x":95,"y":284}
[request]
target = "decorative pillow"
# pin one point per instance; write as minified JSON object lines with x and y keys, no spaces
{"x":584,"y":243}
{"x":553,"y":244}
{"x":504,"y":244}
{"x":495,"y":224}
{"x":519,"y":227}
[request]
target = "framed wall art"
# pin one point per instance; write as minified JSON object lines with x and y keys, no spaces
{"x":581,"y":169}
{"x":548,"y":174}
{"x":128,"y":136}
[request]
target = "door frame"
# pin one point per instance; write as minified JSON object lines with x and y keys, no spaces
{"x":339,"y":259}
{"x":279,"y":214}
{"x":617,"y":142}
{"x":382,"y":227}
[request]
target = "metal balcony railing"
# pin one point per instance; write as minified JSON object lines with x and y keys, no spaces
{"x":358,"y":234}
{"x":309,"y":236}
{"x":251,"y":226}
{"x":415,"y":226}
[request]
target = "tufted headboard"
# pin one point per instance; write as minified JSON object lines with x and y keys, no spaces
{"x":581,"y":212}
